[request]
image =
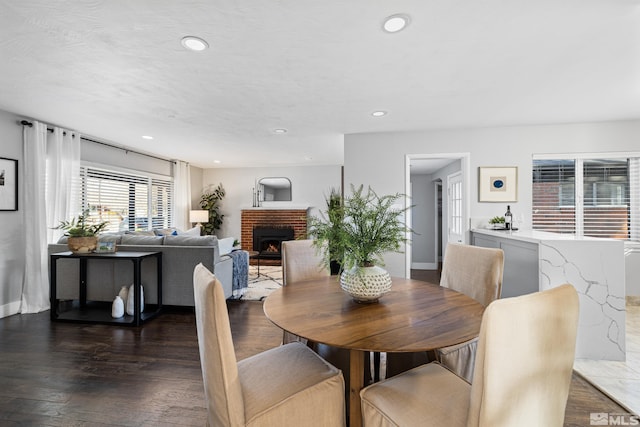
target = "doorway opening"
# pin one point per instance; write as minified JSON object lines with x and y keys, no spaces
{"x":430,"y":179}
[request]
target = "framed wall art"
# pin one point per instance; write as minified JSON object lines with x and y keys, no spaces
{"x":8,"y":184}
{"x":498,"y":184}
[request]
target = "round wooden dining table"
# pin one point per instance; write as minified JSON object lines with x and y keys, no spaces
{"x":414,"y":316}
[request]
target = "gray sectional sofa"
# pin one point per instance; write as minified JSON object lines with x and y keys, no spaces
{"x":180,"y":254}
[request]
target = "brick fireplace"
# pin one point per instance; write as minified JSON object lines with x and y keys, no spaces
{"x":295,"y":219}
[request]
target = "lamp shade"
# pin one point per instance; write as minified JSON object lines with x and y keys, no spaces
{"x":199,"y":216}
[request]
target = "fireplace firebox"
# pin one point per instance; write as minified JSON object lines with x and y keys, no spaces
{"x":267,"y":241}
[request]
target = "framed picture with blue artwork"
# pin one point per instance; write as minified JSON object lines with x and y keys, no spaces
{"x":498,"y":184}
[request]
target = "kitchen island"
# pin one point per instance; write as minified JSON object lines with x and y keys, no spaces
{"x":536,"y":260}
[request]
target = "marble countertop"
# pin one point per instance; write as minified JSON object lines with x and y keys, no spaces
{"x":535,"y":236}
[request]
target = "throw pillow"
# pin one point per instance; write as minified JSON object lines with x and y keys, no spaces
{"x":130,"y":239}
{"x":226,"y":245}
{"x":165,"y":231}
{"x":195,"y":231}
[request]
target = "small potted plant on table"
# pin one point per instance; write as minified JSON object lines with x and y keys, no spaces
{"x":82,"y":234}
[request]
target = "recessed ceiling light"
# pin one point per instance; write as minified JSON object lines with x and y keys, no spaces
{"x":216,"y":161}
{"x":379,"y":113}
{"x":280,"y":130}
{"x":147,"y":137}
{"x":194,"y":43}
{"x":395,"y":23}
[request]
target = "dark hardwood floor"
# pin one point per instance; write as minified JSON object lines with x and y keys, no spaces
{"x":59,"y":374}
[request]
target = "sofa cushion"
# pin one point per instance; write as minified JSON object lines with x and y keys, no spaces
{"x":111,"y":238}
{"x":141,"y":233}
{"x":132,"y":239}
{"x":182,"y":240}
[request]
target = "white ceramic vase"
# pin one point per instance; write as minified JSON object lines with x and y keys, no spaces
{"x":117,"y":308}
{"x":366,"y":284}
{"x":124,"y":293}
{"x":130,"y":297}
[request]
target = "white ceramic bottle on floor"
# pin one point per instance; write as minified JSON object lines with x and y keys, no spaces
{"x":124,"y":293}
{"x":130,"y":300}
{"x":117,"y":308}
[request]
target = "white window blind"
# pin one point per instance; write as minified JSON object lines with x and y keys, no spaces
{"x":595,"y":197}
{"x":127,"y":201}
{"x":605,"y":195}
{"x":554,"y":196}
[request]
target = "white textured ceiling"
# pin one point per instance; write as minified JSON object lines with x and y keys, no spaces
{"x":116,"y":70}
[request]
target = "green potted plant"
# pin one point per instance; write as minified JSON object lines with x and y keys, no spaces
{"x":326,"y":228}
{"x":370,"y":226}
{"x":496,"y":222}
{"x":210,"y":200}
{"x":82,"y":233}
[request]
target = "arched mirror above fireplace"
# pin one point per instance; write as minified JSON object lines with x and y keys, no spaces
{"x":274,"y":189}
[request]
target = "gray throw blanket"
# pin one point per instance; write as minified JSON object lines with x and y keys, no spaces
{"x":240,"y":272}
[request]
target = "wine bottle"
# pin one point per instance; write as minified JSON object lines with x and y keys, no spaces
{"x":508,"y":218}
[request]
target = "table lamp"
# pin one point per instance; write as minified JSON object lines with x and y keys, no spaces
{"x":199,"y":216}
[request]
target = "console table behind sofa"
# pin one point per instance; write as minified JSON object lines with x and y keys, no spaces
{"x":179,"y":258}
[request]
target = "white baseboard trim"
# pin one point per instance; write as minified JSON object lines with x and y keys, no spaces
{"x":9,"y":309}
{"x":424,"y":266}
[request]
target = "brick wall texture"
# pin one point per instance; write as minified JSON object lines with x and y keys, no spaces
{"x":251,"y":218}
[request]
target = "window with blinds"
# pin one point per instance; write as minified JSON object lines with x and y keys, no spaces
{"x":553,"y":195}
{"x":128,"y":202}
{"x":587,"y":196}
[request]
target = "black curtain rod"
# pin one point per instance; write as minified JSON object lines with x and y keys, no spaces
{"x":126,"y":150}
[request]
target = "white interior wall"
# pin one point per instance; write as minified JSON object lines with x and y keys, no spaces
{"x":309,"y":187}
{"x":11,"y":222}
{"x":196,"y":186}
{"x":368,"y":159}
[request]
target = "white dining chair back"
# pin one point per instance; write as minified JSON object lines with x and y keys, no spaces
{"x":289,"y":385}
{"x":522,"y":372}
{"x":301,"y":261}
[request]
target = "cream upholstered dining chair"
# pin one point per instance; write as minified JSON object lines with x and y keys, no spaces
{"x":300,"y":262}
{"x":476,"y":272}
{"x":521,"y":378}
{"x":289,"y":385}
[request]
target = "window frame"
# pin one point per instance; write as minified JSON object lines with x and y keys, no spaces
{"x":149,"y":179}
{"x":633,"y":174}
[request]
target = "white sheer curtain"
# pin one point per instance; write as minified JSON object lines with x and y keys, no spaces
{"x":51,"y":179}
{"x":63,"y":174}
{"x":35,"y":287}
{"x":181,"y":195}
